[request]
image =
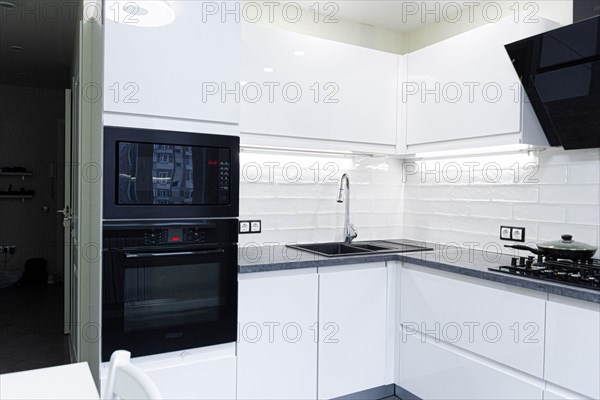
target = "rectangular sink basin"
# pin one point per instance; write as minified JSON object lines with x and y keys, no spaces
{"x":338,"y":249}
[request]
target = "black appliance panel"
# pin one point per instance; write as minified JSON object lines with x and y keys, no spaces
{"x":560,"y":71}
{"x":154,"y":174}
{"x":168,"y":287}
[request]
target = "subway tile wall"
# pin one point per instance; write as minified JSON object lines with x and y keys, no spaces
{"x":466,"y":200}
{"x":294,"y":195}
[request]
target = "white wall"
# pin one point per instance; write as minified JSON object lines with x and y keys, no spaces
{"x":306,"y":210}
{"x":481,"y":13}
{"x":30,"y":138}
{"x":554,"y":193}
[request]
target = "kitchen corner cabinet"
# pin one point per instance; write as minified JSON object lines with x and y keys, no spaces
{"x":308,"y":92}
{"x":464,"y":92}
{"x":277,"y":350}
{"x":573,"y":345}
{"x":175,"y":71}
{"x":308,"y":335}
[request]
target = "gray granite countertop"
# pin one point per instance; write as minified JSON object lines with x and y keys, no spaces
{"x":465,"y":261}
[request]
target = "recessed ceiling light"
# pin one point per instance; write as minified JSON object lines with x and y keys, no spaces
{"x":17,"y":48}
{"x":7,"y":4}
{"x":268,"y":69}
{"x":298,"y":53}
{"x":141,"y":13}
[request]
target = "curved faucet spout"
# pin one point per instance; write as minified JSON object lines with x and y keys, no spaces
{"x":349,"y":230}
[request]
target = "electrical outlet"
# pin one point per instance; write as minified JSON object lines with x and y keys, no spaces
{"x":12,"y":249}
{"x":518,"y":234}
{"x":505,"y":232}
{"x":255,"y":226}
{"x":244,"y":226}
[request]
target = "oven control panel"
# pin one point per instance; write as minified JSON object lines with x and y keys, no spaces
{"x":174,"y":236}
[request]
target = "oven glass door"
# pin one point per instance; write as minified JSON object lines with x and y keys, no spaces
{"x":164,"y":301}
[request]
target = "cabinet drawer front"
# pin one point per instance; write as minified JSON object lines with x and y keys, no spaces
{"x":432,"y":372}
{"x":504,"y":326}
{"x":573,"y":347}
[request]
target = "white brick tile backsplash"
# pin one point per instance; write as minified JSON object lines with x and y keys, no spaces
{"x":538,"y":212}
{"x":569,"y":194}
{"x":494,"y":210}
{"x":583,"y":215}
{"x":549,"y":193}
{"x":584,"y":174}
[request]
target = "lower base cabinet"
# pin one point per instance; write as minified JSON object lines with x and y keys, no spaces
{"x":277,"y":350}
{"x":203,"y":373}
{"x":431,"y":371}
{"x":306,"y":334}
{"x":352,"y":318}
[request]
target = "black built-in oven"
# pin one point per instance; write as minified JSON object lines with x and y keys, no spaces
{"x":168,"y":286}
{"x":156,"y":174}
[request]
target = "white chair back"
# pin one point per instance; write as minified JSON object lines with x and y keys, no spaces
{"x":127,"y":382}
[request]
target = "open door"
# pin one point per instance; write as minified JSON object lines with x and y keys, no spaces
{"x":66,"y":212}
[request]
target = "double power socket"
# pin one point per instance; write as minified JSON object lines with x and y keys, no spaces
{"x":516,"y":234}
{"x":8,"y":249}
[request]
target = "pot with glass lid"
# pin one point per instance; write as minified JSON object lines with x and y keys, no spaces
{"x":566,"y":248}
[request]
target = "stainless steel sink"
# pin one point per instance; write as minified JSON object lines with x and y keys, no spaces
{"x":340,"y":249}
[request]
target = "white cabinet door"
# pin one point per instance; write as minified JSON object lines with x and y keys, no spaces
{"x":573,"y":346}
{"x":496,"y":323}
{"x":352,"y":338}
{"x":429,"y":370}
{"x":465,"y":88}
{"x":172,"y":71}
{"x":277,"y":350}
{"x":315,"y":89}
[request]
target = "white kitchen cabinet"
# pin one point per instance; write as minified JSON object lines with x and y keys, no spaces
{"x":464,"y":92}
{"x":493,"y":321}
{"x":176,"y":71}
{"x":352,"y":319}
{"x":202,"y":373}
{"x":277,"y":350}
{"x":432,"y":370}
{"x":573,"y":345}
{"x":303,"y":91}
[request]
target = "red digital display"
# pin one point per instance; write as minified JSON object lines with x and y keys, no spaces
{"x":175,"y":239}
{"x":213,"y":163}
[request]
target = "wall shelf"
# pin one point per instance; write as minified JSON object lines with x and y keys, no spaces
{"x":21,"y":174}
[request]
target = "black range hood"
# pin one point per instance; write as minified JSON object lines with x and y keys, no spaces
{"x":560,"y":71}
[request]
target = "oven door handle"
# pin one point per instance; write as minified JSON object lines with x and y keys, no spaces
{"x":174,"y":254}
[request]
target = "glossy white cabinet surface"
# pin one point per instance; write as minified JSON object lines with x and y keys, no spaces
{"x":431,"y":371}
{"x":211,"y":379}
{"x":573,"y":346}
{"x":499,"y":324}
{"x":173,"y":71}
{"x":277,"y":347}
{"x":352,"y":319}
{"x":465,"y":87}
{"x":316,"y":89}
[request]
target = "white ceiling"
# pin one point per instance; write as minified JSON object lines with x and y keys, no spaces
{"x":46,"y":30}
{"x":394,"y":15}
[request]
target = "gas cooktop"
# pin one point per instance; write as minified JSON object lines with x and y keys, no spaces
{"x":583,"y":273}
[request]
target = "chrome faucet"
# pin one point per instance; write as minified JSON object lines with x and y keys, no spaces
{"x":349,"y":231}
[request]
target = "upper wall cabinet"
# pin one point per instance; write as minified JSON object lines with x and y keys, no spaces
{"x":302,"y":91}
{"x":179,"y":70}
{"x":464,"y":92}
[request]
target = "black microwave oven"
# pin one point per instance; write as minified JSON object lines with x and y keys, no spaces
{"x":156,"y":174}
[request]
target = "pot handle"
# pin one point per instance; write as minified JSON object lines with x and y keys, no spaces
{"x":567,"y":238}
{"x":522,"y":247}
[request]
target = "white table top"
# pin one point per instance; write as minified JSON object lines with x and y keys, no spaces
{"x":71,"y":381}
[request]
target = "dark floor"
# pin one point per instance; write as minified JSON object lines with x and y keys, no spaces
{"x":31,"y":328}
